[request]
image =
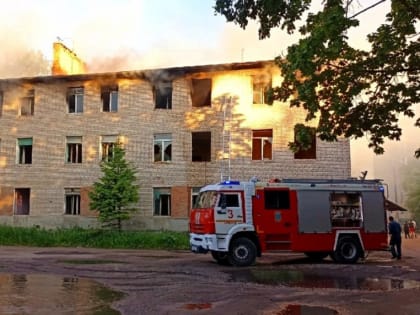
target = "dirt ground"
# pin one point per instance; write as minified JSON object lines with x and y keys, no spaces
{"x":179,"y":282}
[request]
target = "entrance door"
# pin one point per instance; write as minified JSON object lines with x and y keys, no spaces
{"x":275,"y":217}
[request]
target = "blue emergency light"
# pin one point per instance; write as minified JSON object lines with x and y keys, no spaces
{"x":230,"y":182}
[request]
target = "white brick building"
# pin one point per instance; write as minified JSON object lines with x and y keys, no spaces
{"x":177,"y":124}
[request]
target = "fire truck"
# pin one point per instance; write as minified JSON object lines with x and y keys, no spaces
{"x":238,"y":221}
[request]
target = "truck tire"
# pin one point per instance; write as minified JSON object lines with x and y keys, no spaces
{"x":348,"y":250}
{"x":242,"y":252}
{"x":220,"y":257}
{"x":316,"y":256}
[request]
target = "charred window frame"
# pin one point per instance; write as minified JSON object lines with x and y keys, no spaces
{"x":24,"y":151}
{"x":108,"y":144}
{"x":262,"y":144}
{"x":162,"y":147}
{"x":261,"y":85}
{"x":309,"y":153}
{"x":74,"y":149}
{"x":109,"y":97}
{"x":27,"y":104}
{"x":276,"y":199}
{"x":201,"y":92}
{"x":162,"y":201}
{"x":201,"y":146}
{"x":22,"y":201}
{"x":72,"y":201}
{"x":75,"y":99}
{"x":162,"y":93}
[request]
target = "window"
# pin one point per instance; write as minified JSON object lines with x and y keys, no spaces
{"x":195,"y":191}
{"x":201,"y":92}
{"x":201,"y":146}
{"x":22,"y":198}
{"x":24,"y":150}
{"x":1,"y":103}
{"x":260,"y":85}
{"x":228,"y":200}
{"x":163,"y":95}
{"x":276,"y":199}
{"x":262,"y":144}
{"x":72,"y":201}
{"x":74,"y":150}
{"x":108,"y":144}
{"x":162,"y":146}
{"x":309,"y":153}
{"x":109,"y":96}
{"x":75,"y":99}
{"x":27,"y":104}
{"x":162,"y":201}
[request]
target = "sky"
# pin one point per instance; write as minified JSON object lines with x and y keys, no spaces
{"x":114,"y":35}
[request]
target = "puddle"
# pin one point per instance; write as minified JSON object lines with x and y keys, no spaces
{"x":301,"y":279}
{"x":47,"y":294}
{"x":296,"y":309}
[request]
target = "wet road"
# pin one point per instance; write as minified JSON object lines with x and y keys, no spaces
{"x":178,"y":282}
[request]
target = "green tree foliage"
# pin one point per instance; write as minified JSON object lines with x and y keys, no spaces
{"x":411,"y":186}
{"x":353,"y":92}
{"x":116,"y":193}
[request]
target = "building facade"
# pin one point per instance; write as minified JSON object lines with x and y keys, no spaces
{"x":182,"y":128}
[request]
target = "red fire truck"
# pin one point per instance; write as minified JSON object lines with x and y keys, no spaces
{"x":238,"y":221}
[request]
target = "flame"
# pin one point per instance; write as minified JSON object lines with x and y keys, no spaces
{"x":65,"y":61}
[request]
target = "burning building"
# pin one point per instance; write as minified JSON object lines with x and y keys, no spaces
{"x":182,"y":128}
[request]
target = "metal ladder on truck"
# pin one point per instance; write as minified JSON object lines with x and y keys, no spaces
{"x":226,"y":138}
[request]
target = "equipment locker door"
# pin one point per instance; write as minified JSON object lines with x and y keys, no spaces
{"x":275,"y":217}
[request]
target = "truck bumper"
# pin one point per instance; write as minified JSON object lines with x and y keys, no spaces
{"x":202,"y":243}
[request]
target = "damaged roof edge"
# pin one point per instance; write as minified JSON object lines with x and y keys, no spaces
{"x":150,"y":74}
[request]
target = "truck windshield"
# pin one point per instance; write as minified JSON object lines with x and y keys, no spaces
{"x":206,"y":199}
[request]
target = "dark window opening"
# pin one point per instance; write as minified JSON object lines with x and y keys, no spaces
{"x":27,"y":104}
{"x":309,"y":153}
{"x":25,"y":151}
{"x":262,"y":144}
{"x":163,"y":95}
{"x":75,"y":99}
{"x":74,"y":150}
{"x":162,"y":201}
{"x":276,"y":199}
{"x":201,"y":92}
{"x":72,"y":196}
{"x":22,"y":200}
{"x":261,"y":86}
{"x":109,"y":96}
{"x":201,"y":146}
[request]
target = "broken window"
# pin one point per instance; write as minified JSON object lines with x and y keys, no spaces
{"x":109,"y":96}
{"x":201,"y":146}
{"x":162,"y":201}
{"x":74,"y":149}
{"x":24,"y":150}
{"x":108,"y":144}
{"x":309,"y":153}
{"x":72,"y":201}
{"x":201,"y":92}
{"x":27,"y":104}
{"x":75,"y":99}
{"x":22,"y":200}
{"x":261,"y":84}
{"x":162,"y":146}
{"x":163,"y":95}
{"x":262,"y":144}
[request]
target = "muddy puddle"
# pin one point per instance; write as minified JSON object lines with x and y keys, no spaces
{"x":298,"y":309}
{"x":293,"y":278}
{"x":48,"y":294}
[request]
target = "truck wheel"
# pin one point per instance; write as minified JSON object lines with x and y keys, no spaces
{"x":316,"y":256}
{"x":348,"y":250}
{"x":243,"y":252}
{"x":220,"y":257}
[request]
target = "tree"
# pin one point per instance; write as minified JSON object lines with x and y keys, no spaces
{"x":115,"y":193}
{"x":352,"y":92}
{"x":411,"y":186}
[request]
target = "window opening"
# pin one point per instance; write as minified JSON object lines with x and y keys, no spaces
{"x":107,"y":147}
{"x":162,"y":146}
{"x":22,"y":201}
{"x":201,"y":146}
{"x":109,"y":96}
{"x":262,"y":144}
{"x":309,"y":153}
{"x":74,"y":150}
{"x":201,"y":92}
{"x":163,"y":95}
{"x":162,"y":201}
{"x":25,"y":151}
{"x":75,"y":99}
{"x":72,"y":201}
{"x":27,"y":104}
{"x":261,"y":85}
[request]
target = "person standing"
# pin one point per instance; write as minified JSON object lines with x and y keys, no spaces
{"x":394,"y":229}
{"x":406,"y":230}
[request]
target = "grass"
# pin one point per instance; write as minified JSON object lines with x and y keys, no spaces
{"x":77,"y":237}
